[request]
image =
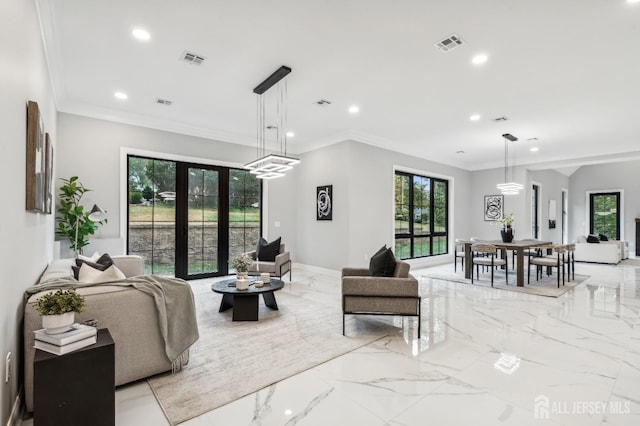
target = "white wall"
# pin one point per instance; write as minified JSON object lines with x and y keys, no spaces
{"x":363,"y":185}
{"x":27,"y":243}
{"x":605,"y":177}
{"x":92,"y":149}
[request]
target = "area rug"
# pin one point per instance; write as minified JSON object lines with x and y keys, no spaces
{"x":234,"y":359}
{"x":547,"y":286}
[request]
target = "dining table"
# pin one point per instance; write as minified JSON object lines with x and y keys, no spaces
{"x":519,"y":246}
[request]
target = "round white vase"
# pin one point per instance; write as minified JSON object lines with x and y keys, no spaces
{"x":55,"y":324}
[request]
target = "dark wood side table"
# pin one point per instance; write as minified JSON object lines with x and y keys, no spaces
{"x":77,"y":388}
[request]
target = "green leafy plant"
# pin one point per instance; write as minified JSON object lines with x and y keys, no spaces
{"x":72,"y":219}
{"x":507,"y":220}
{"x":60,"y":302}
{"x":241,"y":263}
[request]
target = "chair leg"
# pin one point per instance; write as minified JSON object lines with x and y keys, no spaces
{"x":419,"y":315}
{"x":492,"y":269}
{"x":343,"y":323}
{"x":529,"y":272}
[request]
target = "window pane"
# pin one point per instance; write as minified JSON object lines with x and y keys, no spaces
{"x":403,"y":248}
{"x":440,"y":206}
{"x":402,"y":202}
{"x":605,"y":215}
{"x":244,"y":212}
{"x":440,"y":245}
{"x":421,"y":247}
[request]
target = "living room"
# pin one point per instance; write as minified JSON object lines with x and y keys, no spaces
{"x":360,"y":168}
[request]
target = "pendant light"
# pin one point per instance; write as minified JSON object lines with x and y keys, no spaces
{"x":509,"y":187}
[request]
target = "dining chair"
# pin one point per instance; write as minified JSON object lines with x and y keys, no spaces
{"x":458,"y":254}
{"x":484,"y":254}
{"x":556,"y":260}
{"x":571,"y":261}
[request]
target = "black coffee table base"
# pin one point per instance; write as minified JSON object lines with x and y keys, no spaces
{"x":245,"y":302}
{"x":245,"y":308}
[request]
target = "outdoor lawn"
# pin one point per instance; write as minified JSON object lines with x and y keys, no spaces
{"x":166,"y":213}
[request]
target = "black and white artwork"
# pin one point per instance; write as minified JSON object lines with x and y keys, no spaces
{"x":324,"y":202}
{"x":493,"y":207}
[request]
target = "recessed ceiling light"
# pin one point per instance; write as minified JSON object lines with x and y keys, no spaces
{"x":141,"y":34}
{"x":534,"y":149}
{"x":475,"y":117}
{"x":460,"y":152}
{"x":290,"y":134}
{"x":480,"y":59}
{"x":120,"y":95}
{"x":354,"y":109}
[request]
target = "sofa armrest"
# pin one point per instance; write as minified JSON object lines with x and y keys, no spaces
{"x":130,"y":265}
{"x":355,"y":272}
{"x":379,"y":286}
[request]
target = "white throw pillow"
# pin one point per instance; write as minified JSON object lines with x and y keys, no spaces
{"x":581,"y":239}
{"x":88,"y":274}
{"x":94,"y":257}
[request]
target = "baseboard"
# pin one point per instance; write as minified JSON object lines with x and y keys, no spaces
{"x":15,"y":419}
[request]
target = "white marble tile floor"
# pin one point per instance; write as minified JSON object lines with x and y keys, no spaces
{"x":486,"y":357}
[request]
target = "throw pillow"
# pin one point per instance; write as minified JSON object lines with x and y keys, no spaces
{"x":383,"y":263}
{"x":268,"y":251}
{"x":101,"y":264}
{"x":94,"y":257}
{"x":89,"y":274}
{"x":592,"y":239}
{"x":603,"y":237}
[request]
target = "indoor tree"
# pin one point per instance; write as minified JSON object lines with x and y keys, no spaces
{"x":73,"y":221}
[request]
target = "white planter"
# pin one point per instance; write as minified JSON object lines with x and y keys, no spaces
{"x":55,"y":324}
{"x":242,"y":284}
{"x":242,"y":275}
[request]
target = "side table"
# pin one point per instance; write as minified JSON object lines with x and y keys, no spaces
{"x":77,"y":388}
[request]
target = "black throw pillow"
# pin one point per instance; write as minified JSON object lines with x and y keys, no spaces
{"x":101,"y":264}
{"x":603,"y":237}
{"x":268,"y":251}
{"x":592,"y":239}
{"x":382,"y":264}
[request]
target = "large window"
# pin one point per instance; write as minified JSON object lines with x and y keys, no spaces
{"x":604,"y":214}
{"x":421,"y":216}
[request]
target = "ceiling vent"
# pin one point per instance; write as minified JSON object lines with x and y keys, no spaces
{"x":322,"y":102}
{"x":449,"y":43}
{"x":163,"y":102}
{"x":192,"y":58}
{"x":501,"y":119}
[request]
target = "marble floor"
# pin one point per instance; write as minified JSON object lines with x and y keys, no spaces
{"x":486,"y":357}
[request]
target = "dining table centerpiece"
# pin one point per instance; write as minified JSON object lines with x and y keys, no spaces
{"x":507,"y":231}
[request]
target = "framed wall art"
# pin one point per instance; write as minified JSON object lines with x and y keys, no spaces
{"x":48,"y":175}
{"x":324,"y":202}
{"x":493,"y":207}
{"x":36,"y":160}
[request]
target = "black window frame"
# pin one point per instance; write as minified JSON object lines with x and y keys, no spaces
{"x":432,"y":234}
{"x":618,"y":195}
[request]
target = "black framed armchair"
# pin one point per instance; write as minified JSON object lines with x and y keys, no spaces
{"x":278,"y":268}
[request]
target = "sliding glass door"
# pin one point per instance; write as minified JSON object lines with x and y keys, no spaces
{"x":188,"y":219}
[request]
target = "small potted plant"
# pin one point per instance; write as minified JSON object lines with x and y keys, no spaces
{"x":506,"y":232}
{"x":241,"y":264}
{"x":58,"y":310}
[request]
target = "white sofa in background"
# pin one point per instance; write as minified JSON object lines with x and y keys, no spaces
{"x":603,"y":252}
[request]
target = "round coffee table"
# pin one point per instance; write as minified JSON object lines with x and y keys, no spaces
{"x":245,"y":302}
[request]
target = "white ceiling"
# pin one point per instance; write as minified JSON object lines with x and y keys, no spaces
{"x":565,"y":72}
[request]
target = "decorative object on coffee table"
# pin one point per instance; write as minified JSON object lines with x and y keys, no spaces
{"x":241,"y":264}
{"x":58,"y":310}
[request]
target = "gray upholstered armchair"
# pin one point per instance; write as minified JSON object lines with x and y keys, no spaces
{"x":280,"y":267}
{"x":366,"y":295}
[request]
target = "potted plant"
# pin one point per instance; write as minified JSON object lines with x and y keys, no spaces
{"x":73,"y":221}
{"x":506,"y":232}
{"x":241,"y":264}
{"x":58,"y":310}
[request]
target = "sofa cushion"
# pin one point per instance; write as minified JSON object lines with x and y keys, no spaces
{"x":268,"y":251}
{"x":581,"y":239}
{"x":592,"y":239}
{"x":382,"y":263}
{"x":100,"y":264}
{"x":603,"y":237}
{"x":89,"y":274}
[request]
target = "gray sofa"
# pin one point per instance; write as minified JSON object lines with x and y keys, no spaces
{"x":129,"y":314}
{"x":366,"y":295}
